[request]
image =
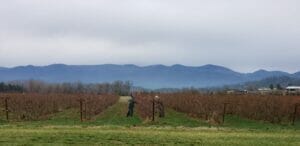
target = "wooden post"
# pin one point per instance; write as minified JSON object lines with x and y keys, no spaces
{"x":6,"y":108}
{"x":81,"y":112}
{"x":53,"y":106}
{"x":85,"y":110}
{"x":295,"y":114}
{"x":153,"y":110}
{"x":224,"y":112}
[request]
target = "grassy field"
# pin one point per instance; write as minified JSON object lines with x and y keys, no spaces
{"x":112,"y":128}
{"x":91,"y":135}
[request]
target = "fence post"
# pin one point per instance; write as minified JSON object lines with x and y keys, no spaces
{"x":81,"y":112}
{"x":6,"y":108}
{"x":85,"y":110}
{"x":153,"y":110}
{"x":295,"y":114}
{"x":224,"y":112}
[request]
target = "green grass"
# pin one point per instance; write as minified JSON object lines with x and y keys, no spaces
{"x":175,"y":119}
{"x":64,"y":135}
{"x":116,"y":115}
{"x":242,"y":123}
{"x":67,"y":117}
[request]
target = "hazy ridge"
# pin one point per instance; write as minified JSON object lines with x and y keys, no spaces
{"x":154,"y":76}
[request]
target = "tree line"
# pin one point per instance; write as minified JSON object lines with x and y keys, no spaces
{"x":37,"y":86}
{"x":10,"y":88}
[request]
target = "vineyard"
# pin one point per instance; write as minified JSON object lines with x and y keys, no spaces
{"x":35,"y":106}
{"x":190,"y":118}
{"x":213,"y":108}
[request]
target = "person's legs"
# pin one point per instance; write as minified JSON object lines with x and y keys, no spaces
{"x":131,"y":112}
{"x":128,"y":113}
{"x":161,"y":114}
{"x":161,"y":111}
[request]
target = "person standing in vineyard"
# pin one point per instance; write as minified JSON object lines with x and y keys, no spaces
{"x":160,"y":107}
{"x":131,"y":106}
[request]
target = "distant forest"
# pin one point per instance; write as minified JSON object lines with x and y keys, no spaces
{"x":10,"y":88}
{"x":36,"y":86}
{"x":125,"y":87}
{"x":272,"y":82}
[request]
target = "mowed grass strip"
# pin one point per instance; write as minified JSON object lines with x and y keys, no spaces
{"x":116,"y":115}
{"x":63,"y":135}
{"x":232,"y":121}
{"x":175,"y":119}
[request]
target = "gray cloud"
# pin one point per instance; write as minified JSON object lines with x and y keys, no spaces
{"x":243,"y":35}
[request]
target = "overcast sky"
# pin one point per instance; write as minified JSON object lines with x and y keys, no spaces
{"x":244,"y":35}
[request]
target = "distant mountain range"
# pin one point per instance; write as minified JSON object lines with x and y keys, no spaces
{"x":154,"y":76}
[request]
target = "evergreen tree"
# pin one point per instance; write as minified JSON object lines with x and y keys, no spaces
{"x":271,"y":86}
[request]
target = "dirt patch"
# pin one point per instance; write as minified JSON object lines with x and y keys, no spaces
{"x":124,"y":99}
